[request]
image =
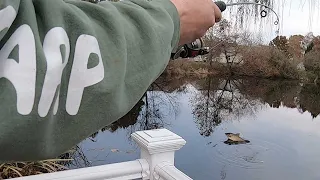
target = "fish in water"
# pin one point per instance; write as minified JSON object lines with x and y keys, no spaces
{"x":235,"y":139}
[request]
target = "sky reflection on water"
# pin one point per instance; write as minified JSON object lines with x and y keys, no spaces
{"x":284,"y":141}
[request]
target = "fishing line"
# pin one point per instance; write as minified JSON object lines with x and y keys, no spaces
{"x":263,"y":12}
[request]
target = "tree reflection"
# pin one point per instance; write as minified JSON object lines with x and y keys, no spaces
{"x":77,"y":158}
{"x":158,"y":107}
{"x":129,"y":119}
{"x":150,"y":112}
{"x":292,"y":94}
{"x":218,"y":100}
{"x":310,"y":99}
{"x":272,"y":92}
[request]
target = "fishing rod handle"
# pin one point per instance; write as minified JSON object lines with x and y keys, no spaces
{"x":221,"y":5}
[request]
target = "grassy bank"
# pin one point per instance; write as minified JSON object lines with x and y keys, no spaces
{"x":258,"y":61}
{"x":188,"y":68}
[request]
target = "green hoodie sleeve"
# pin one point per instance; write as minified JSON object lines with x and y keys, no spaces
{"x":69,"y":68}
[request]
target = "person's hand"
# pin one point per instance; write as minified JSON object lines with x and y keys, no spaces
{"x":196,"y":17}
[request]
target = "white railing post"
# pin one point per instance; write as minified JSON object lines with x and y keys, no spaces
{"x":158,"y":147}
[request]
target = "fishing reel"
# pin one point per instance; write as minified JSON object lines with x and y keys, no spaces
{"x":193,"y":49}
{"x":197,"y":47}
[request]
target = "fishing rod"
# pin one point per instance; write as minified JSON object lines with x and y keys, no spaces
{"x":197,"y":47}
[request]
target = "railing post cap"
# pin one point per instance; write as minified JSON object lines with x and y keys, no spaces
{"x":158,"y":140}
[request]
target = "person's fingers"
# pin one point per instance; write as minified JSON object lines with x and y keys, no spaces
{"x":217,"y":13}
{"x":212,"y":16}
{"x":196,"y":17}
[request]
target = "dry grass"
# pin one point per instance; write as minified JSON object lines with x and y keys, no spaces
{"x":20,"y":169}
{"x":187,"y":67}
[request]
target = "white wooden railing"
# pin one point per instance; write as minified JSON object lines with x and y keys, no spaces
{"x":157,"y":162}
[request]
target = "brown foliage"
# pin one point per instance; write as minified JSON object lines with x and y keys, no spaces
{"x":188,"y":67}
{"x":287,"y":67}
{"x":312,"y":62}
{"x":294,"y":46}
{"x":267,"y":62}
{"x":282,"y":43}
{"x":258,"y":61}
{"x":255,"y":63}
{"x":316,"y":42}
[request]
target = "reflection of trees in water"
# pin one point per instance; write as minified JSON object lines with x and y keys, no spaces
{"x":77,"y":156}
{"x":287,"y":93}
{"x":218,"y":100}
{"x":158,"y":106}
{"x":149,"y":113}
{"x":124,"y":122}
{"x":215,"y":101}
{"x":310,"y":99}
{"x":129,"y":119}
{"x":273,"y":92}
{"x":222,"y":99}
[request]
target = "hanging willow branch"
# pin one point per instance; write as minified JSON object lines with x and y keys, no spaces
{"x":263,"y":12}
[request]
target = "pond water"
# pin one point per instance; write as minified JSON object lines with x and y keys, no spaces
{"x":280,"y":118}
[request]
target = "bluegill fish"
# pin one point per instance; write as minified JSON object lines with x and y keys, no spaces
{"x":235,"y":139}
